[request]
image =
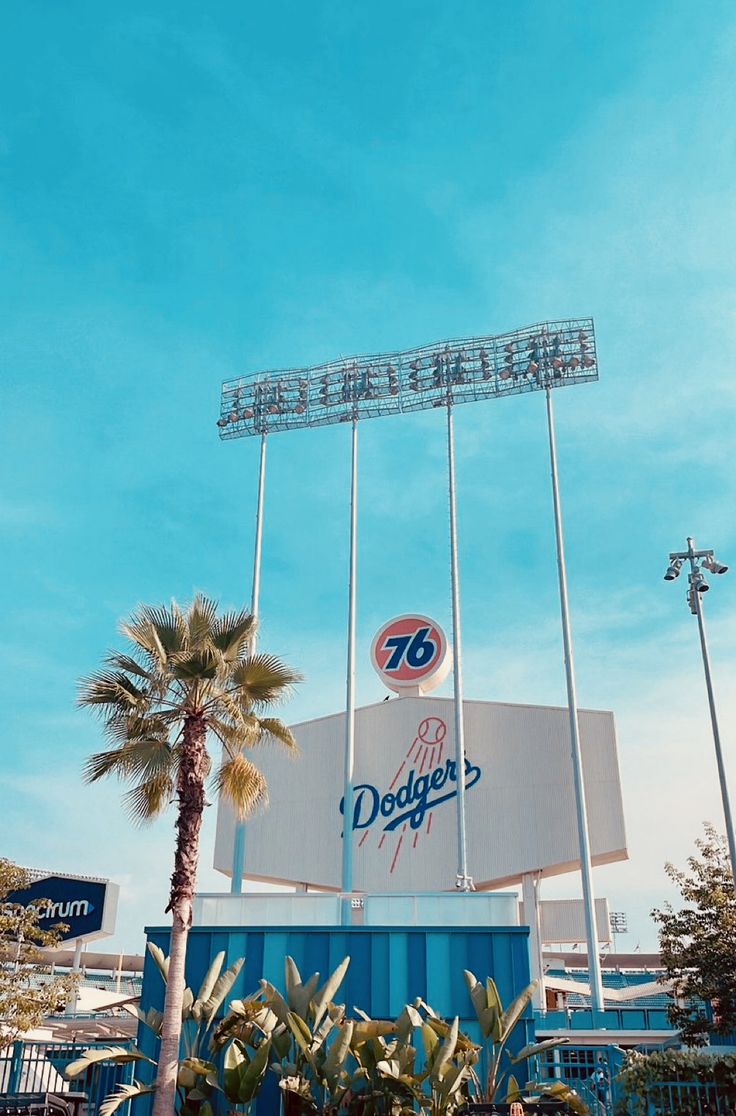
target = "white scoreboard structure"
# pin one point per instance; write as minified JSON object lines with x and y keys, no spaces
{"x":519,"y":795}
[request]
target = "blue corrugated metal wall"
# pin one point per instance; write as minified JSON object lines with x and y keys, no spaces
{"x":389,"y":967}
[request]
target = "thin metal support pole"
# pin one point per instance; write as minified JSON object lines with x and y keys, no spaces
{"x":714,"y":722}
{"x":238,"y":866}
{"x":463,"y":881}
{"x":71,"y":1006}
{"x":347,"y":824}
{"x":586,"y":867}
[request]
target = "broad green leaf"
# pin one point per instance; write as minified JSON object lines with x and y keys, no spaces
{"x":407,"y":1021}
{"x":447,"y":1050}
{"x":304,"y":994}
{"x":162,"y":961}
{"x":486,"y":1004}
{"x":442,"y":1028}
{"x":275,"y":1000}
{"x":513,"y":1090}
{"x":327,"y":1024}
{"x":223,"y":984}
{"x":339,"y":1050}
{"x":152,"y":1019}
{"x":534,"y":1048}
{"x":117,"y":1054}
{"x":207,"y":985}
{"x":514,"y":1012}
{"x":292,"y":978}
{"x":328,"y":990}
{"x":431,"y":1042}
{"x":477,"y":992}
{"x":198,"y":1066}
{"x":251,"y":1079}
{"x":300,"y":1031}
{"x":454,"y":1078}
{"x":371,"y":1028}
{"x":492,"y":997}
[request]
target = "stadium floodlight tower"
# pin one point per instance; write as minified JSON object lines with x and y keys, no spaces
{"x":442,"y":375}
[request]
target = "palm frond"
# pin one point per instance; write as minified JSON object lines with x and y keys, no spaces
{"x":128,"y":664}
{"x":238,"y":732}
{"x":159,"y":630}
{"x":141,"y":756}
{"x":200,"y":664}
{"x":274,"y":729}
{"x":149,"y":798}
{"x":122,"y":728}
{"x":240,"y":781}
{"x":263,"y":680}
{"x":97,"y":766}
{"x":200,"y":619}
{"x":232,"y":633}
{"x":113,"y":689}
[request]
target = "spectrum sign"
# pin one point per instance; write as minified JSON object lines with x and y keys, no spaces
{"x":411,"y":655}
{"x":86,"y":907}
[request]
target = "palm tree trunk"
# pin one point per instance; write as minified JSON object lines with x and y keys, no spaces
{"x":190,"y":791}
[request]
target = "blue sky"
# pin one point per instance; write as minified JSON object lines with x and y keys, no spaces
{"x":186,"y":195}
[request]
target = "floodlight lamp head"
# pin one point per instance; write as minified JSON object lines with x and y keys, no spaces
{"x":698,"y":582}
{"x":714,"y":566}
{"x":673,"y":570}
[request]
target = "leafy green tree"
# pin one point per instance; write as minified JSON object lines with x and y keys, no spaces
{"x":188,"y":675}
{"x":698,"y":942}
{"x":28,"y":991}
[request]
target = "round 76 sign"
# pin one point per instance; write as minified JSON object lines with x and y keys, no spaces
{"x":410,"y":654}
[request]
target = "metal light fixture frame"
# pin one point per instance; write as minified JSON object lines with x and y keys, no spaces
{"x":548,"y":355}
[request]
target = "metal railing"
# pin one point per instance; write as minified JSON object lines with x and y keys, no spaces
{"x":684,"y":1098}
{"x":38,"y":1067}
{"x":589,"y":1070}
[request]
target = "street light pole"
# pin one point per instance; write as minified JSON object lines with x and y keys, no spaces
{"x":698,"y":586}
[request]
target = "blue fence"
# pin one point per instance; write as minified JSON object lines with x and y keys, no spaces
{"x":684,"y":1098}
{"x":38,"y":1067}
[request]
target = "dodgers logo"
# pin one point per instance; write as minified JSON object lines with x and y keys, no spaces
{"x":425,"y":780}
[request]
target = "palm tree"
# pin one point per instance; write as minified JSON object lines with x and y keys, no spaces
{"x":188,"y":673}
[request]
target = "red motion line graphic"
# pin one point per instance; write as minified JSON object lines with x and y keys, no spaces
{"x":425,"y":756}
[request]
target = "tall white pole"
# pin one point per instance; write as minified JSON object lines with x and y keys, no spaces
{"x":347,"y":821}
{"x":586,"y":867}
{"x":714,"y":718}
{"x":238,"y":867}
{"x":463,"y":881}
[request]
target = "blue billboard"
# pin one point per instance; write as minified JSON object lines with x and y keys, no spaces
{"x":79,"y":904}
